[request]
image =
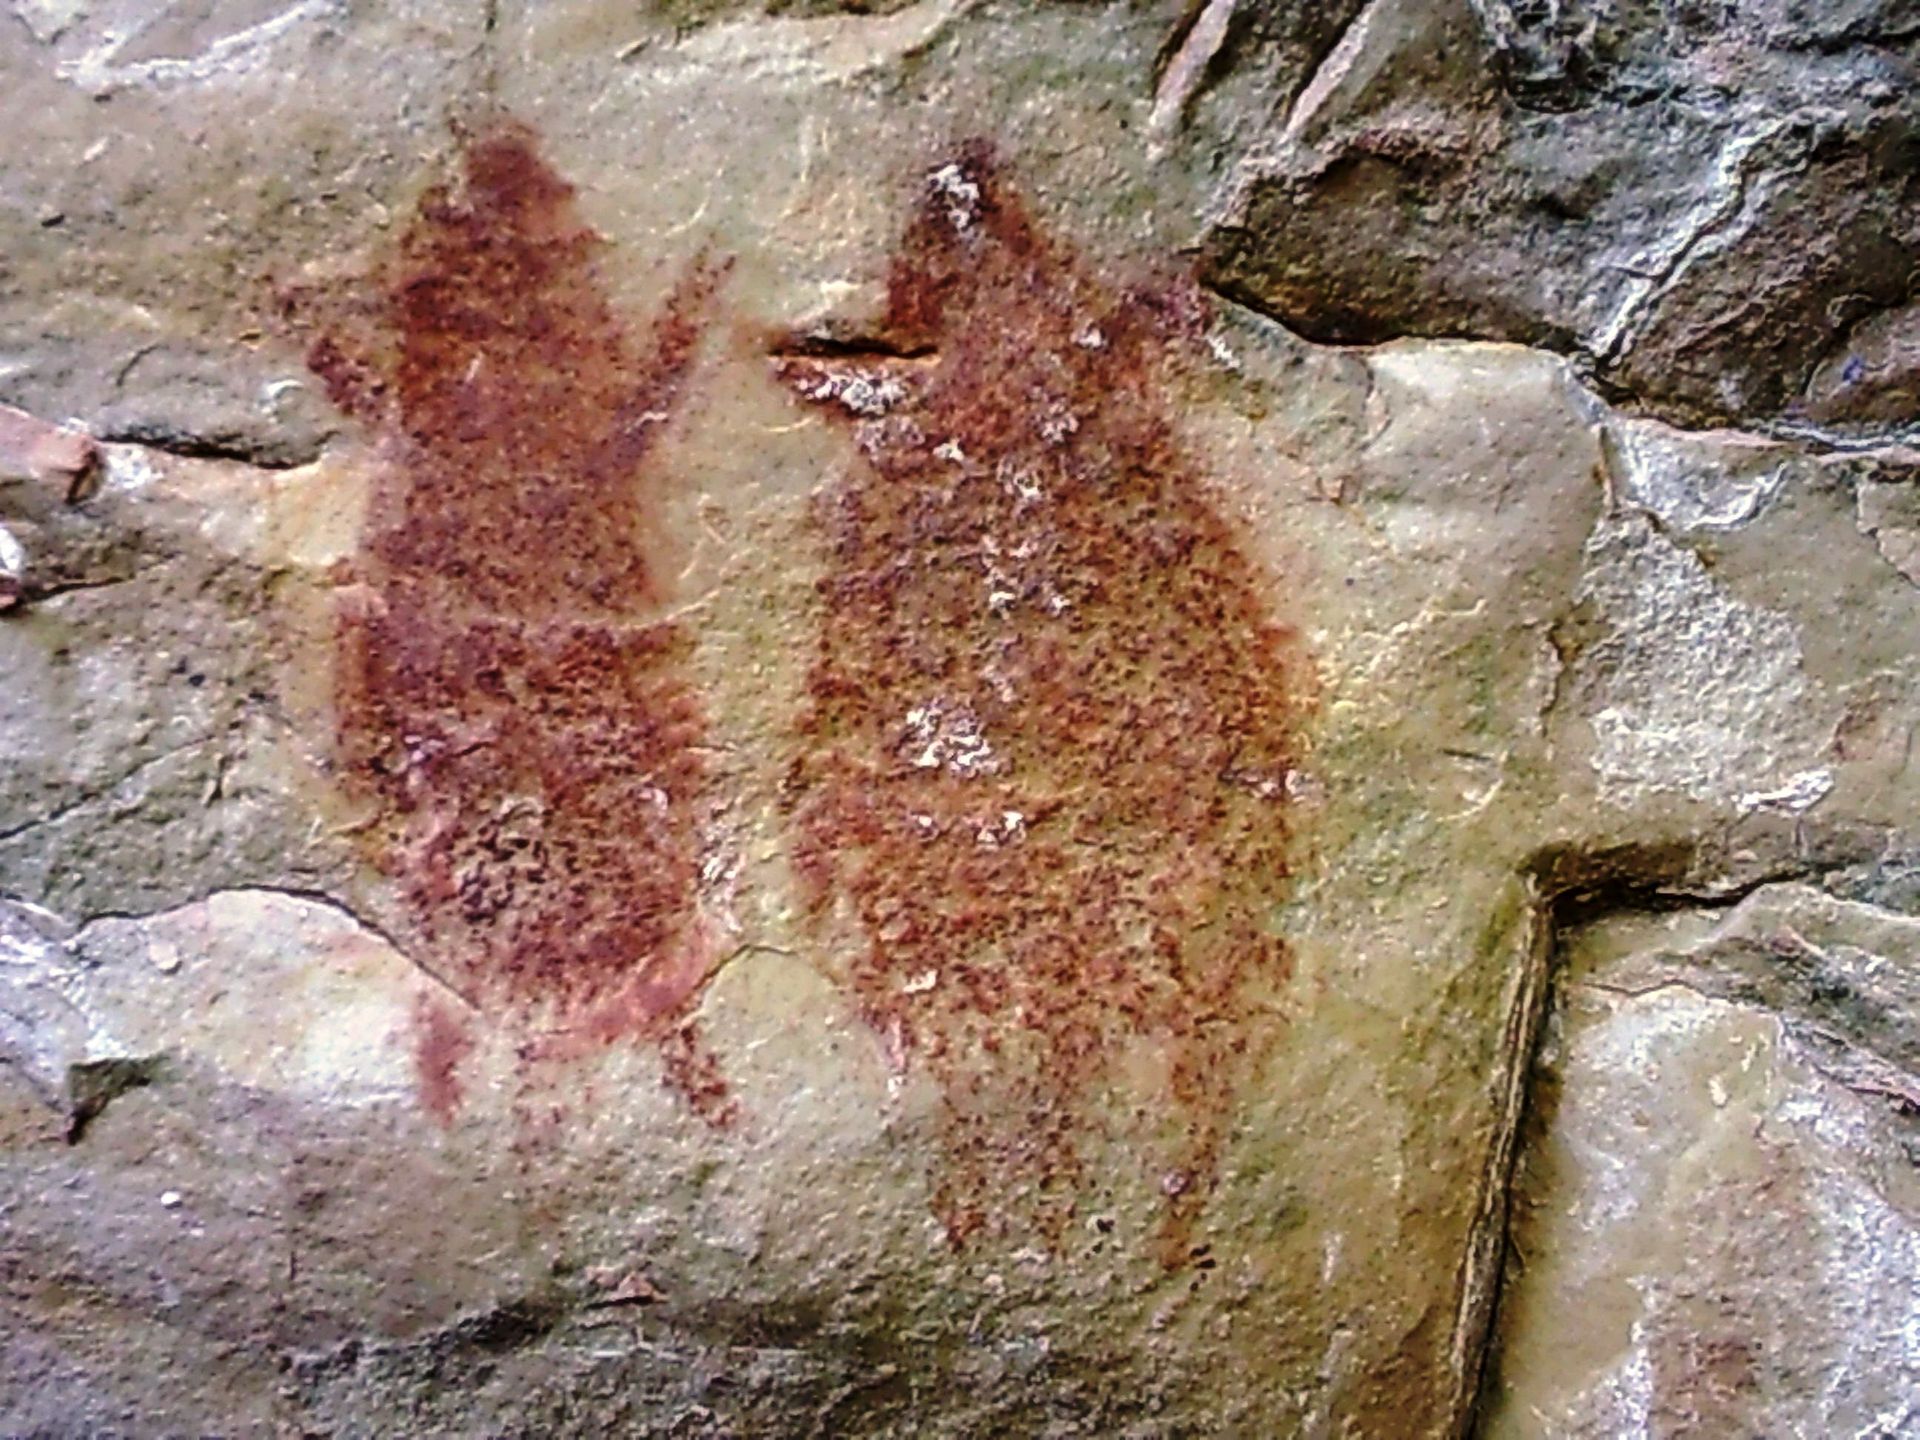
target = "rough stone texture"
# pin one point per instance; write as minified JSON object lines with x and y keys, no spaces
{"x":1712,"y":204}
{"x":739,"y":719}
{"x":1717,"y":1215}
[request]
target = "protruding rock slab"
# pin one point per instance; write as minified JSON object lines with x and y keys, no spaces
{"x":1713,"y":204}
{"x":1717,"y":1215}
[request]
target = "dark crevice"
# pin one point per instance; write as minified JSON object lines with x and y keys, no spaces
{"x":487,"y":51}
{"x":99,"y":794}
{"x":449,"y":1352}
{"x":1572,"y":888}
{"x":1358,"y":331}
{"x":1332,"y":27}
{"x":1354,"y":327}
{"x":1337,"y":327}
{"x":313,"y":895}
{"x":1176,"y":40}
{"x":1580,"y":885}
{"x":1483,"y":1261}
{"x":1231,"y":34}
{"x":505,"y":1328}
{"x":34,"y":592}
{"x":259,"y":452}
{"x":852,"y":347}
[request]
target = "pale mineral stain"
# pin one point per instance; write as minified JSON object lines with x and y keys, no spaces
{"x":1691,"y":690}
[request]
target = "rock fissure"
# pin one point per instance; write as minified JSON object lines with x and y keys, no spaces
{"x":104,"y":792}
{"x":1585,"y":889}
{"x":256,"y":452}
{"x":1896,"y":443}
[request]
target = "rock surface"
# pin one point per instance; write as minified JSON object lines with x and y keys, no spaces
{"x":1712,"y":205}
{"x":735,"y":719}
{"x":1717,"y":1218}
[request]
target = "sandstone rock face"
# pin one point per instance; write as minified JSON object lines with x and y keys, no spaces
{"x":1711,"y":205}
{"x":1715,"y":1218}
{"x":947,"y":719}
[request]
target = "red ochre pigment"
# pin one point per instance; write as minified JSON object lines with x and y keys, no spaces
{"x":509,"y":697}
{"x":1043,"y":760}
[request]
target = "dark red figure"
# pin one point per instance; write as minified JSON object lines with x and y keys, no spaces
{"x":1044,"y":763}
{"x":508,"y":695}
